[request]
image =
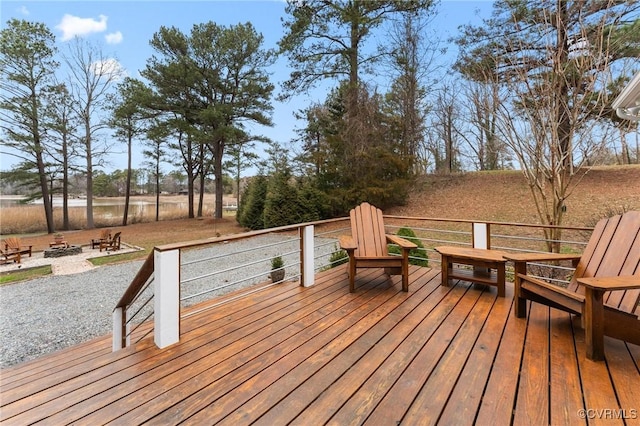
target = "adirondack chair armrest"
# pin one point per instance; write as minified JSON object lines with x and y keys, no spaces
{"x":621,"y":282}
{"x":347,"y":243}
{"x":526,"y":280}
{"x":401,"y":242}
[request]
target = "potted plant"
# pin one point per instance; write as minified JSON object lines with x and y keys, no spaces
{"x":58,"y":237}
{"x":277,"y":269}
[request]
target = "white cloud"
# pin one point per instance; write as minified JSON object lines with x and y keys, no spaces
{"x":113,"y":38}
{"x":109,"y":68}
{"x":72,"y":26}
{"x":23,"y":11}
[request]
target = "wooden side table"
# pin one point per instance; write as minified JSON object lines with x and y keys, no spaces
{"x":477,"y":258}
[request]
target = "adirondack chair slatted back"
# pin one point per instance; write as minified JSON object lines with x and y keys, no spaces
{"x":613,"y":250}
{"x":115,"y":241}
{"x":113,"y":244}
{"x":367,"y":229}
{"x":12,"y":244}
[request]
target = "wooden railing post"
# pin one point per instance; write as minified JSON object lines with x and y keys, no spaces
{"x":166,"y":297}
{"x":307,"y":254}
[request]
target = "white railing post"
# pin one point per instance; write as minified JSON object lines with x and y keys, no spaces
{"x":481,"y":240}
{"x":481,"y":236}
{"x":308,"y":255}
{"x":166,"y":297}
{"x":121,"y":339}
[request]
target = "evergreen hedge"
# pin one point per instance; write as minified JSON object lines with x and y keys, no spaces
{"x":417,"y":256}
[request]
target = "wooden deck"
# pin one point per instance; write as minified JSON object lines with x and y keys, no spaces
{"x":307,"y":356}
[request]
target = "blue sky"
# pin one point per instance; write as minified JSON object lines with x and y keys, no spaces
{"x":124,"y":29}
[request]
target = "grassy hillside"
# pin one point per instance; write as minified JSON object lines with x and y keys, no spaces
{"x":505,"y":196}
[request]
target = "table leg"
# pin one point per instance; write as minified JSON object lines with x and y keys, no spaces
{"x":501,"y":279}
{"x":594,"y":323}
{"x":444,"y":270}
{"x":520,"y":302}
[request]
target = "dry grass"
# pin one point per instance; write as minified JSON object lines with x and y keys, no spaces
{"x":28,"y":219}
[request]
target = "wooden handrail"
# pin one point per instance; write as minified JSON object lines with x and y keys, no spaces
{"x":524,"y":225}
{"x":244,"y":235}
{"x":138,"y":282}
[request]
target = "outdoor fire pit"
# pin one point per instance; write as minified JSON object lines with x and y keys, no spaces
{"x":63,"y":251}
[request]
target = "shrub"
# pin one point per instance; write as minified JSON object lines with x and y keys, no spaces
{"x":313,"y":204}
{"x":338,"y":257}
{"x":277,"y":262}
{"x":250,"y":211}
{"x":281,"y":202}
{"x":417,"y":256}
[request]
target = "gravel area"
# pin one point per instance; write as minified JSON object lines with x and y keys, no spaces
{"x":47,"y":314}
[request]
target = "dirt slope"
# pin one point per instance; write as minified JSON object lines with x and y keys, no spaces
{"x":505,"y":196}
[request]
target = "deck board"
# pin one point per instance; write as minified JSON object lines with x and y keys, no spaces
{"x":565,"y":395}
{"x":288,"y":354}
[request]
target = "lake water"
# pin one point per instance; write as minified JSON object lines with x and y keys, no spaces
{"x":112,"y":207}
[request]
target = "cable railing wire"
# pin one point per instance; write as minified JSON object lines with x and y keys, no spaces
{"x":247,"y":250}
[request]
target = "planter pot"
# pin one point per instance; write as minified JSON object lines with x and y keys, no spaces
{"x":277,"y":275}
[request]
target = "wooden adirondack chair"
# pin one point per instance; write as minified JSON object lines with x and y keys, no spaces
{"x":605,"y":288}
{"x":367,"y":245}
{"x":105,"y":236}
{"x":13,"y":245}
{"x":8,"y":257}
{"x":112,"y":244}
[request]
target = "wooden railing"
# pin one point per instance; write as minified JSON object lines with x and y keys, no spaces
{"x":121,"y":331}
{"x":159,"y":278}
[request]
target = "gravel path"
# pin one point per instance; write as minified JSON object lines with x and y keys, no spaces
{"x":47,"y":314}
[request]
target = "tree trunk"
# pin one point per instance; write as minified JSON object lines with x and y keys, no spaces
{"x":560,"y":178}
{"x":157,"y":190}
{"x":217,"y":173}
{"x":190,"y":180}
{"x":127,"y":191}
{"x":65,"y":184}
{"x":201,"y":194}
{"x":201,"y":161}
{"x":90,"y":224}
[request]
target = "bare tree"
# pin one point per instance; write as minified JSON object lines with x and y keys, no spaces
{"x":92,"y":76}
{"x":411,"y":62}
{"x":480,"y":103}
{"x":62,"y":125}
{"x":445,"y":127}
{"x":556,"y":60}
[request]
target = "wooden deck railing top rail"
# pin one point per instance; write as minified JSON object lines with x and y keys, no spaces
{"x":489,"y":222}
{"x":138,"y":282}
{"x":244,"y":235}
